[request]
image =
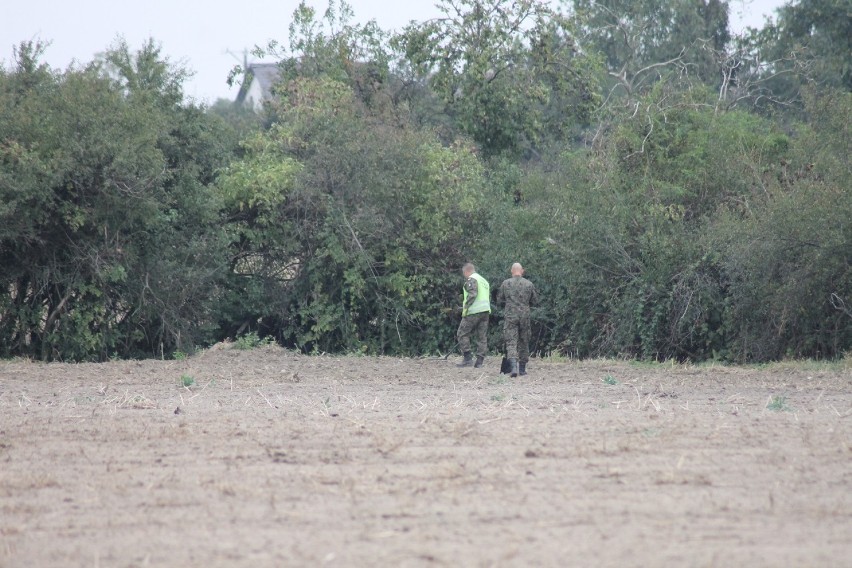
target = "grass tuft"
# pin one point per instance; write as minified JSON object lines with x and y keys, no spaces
{"x":251,"y":340}
{"x":778,"y":404}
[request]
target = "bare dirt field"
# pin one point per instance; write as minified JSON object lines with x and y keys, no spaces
{"x":272,"y":458}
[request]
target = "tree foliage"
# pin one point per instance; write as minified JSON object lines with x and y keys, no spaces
{"x":787,"y":255}
{"x":499,"y":66}
{"x":334,"y":46}
{"x":819,"y":34}
{"x":361,"y":217}
{"x":678,"y":236}
{"x":673,"y":192}
{"x":646,"y":39}
{"x":106,"y":241}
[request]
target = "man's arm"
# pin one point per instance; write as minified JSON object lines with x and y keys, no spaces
{"x":534,"y":296}
{"x":501,"y":296}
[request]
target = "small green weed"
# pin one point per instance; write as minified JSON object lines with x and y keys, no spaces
{"x":178,"y":355}
{"x":778,"y":404}
{"x":187,"y":380}
{"x":251,"y":340}
{"x":610,"y":380}
{"x":497,"y":397}
{"x":651,"y":432}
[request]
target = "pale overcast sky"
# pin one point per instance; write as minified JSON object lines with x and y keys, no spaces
{"x":210,"y":36}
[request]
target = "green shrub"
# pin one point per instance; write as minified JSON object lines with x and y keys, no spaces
{"x":252,"y":340}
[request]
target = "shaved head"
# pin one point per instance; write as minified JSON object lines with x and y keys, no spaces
{"x":468,"y":269}
{"x":517,"y":269}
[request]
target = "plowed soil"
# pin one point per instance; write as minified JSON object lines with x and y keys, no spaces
{"x":272,"y":458}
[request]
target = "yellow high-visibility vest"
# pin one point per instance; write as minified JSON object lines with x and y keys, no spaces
{"x":482,"y":303}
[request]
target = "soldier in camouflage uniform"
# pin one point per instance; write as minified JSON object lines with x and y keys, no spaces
{"x":517,"y":294}
{"x":476,"y":308}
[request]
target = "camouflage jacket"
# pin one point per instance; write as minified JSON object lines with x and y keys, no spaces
{"x":517,"y":294}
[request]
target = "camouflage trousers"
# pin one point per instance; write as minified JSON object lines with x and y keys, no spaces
{"x":516,"y":334}
{"x":475,"y":325}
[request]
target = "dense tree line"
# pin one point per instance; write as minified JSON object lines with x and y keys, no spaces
{"x":675,"y":191}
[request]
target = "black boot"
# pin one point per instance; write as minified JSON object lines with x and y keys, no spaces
{"x":514,"y":363}
{"x":522,"y":367}
{"x":479,"y":360}
{"x":467,"y":361}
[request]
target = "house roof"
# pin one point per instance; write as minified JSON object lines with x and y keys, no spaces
{"x":266,"y":75}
